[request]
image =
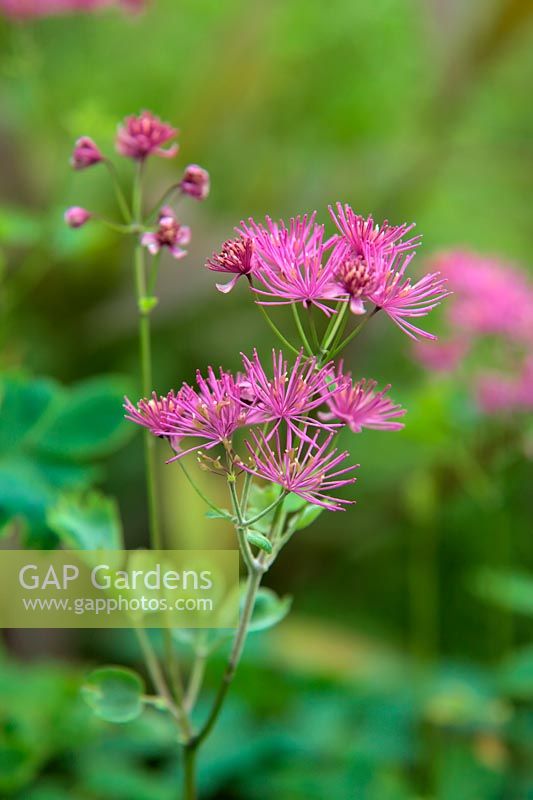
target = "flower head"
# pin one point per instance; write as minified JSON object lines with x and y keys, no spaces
{"x":291,"y":394}
{"x":294,"y":263}
{"x":359,"y":232}
{"x":170,"y":234}
{"x":359,"y":406}
{"x":144,"y":135}
{"x":302,"y":465}
{"x":75,"y":216}
{"x":236,"y":257}
{"x":27,"y":9}
{"x":153,"y":413}
{"x":86,"y":153}
{"x":195,"y":182}
{"x":211,"y":413}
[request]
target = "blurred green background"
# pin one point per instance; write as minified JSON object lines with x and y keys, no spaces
{"x":405,"y":670}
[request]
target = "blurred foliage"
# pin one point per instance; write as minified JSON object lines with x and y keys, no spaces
{"x":410,"y":110}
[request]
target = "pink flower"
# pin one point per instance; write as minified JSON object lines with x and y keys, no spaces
{"x":301,"y":465}
{"x":294,"y":265}
{"x":291,"y":394}
{"x":506,"y":392}
{"x":27,"y":9}
{"x":359,"y":406}
{"x":359,"y":232}
{"x":75,"y":216}
{"x":212,"y":413}
{"x":490,"y":297}
{"x":195,"y":182}
{"x":235,"y":258}
{"x":170,"y":234}
{"x":402,"y":300}
{"x":153,"y":413}
{"x":85,"y":154}
{"x":142,"y":136}
{"x":441,"y":356}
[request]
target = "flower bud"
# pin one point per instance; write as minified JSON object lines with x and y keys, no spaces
{"x":195,"y":182}
{"x":75,"y":216}
{"x":85,"y":154}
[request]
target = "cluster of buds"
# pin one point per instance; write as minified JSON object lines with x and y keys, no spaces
{"x":138,"y":138}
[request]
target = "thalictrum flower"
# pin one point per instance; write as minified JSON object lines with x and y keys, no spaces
{"x":144,"y":135}
{"x":195,"y":182}
{"x":301,"y":465}
{"x":170,"y":234}
{"x":211,"y":413}
{"x":75,"y":216}
{"x":236,"y":257}
{"x":86,"y":153}
{"x":379,"y":276}
{"x":291,"y":394}
{"x":294,"y":263}
{"x":359,"y":406}
{"x":359,"y":232}
{"x":152,"y":413}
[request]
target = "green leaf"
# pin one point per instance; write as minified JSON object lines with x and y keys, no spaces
{"x":89,"y":422}
{"x":114,"y":694}
{"x":306,"y":517}
{"x":22,"y":403}
{"x":510,"y":590}
{"x":86,"y":523}
{"x":260,"y":541}
{"x":269,"y":609}
{"x":516,"y":674}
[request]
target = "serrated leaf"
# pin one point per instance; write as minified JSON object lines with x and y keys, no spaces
{"x":115,"y":694}
{"x":269,"y":609}
{"x":86,"y":523}
{"x":260,"y":541}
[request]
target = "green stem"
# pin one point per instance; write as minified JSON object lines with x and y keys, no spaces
{"x":189,"y":772}
{"x":121,"y":200}
{"x":353,"y":333}
{"x":265,"y":511}
{"x":197,"y":489}
{"x":338,"y":323}
{"x":165,"y":196}
{"x":253,"y":583}
{"x":241,"y":527}
{"x":147,"y":386}
{"x":300,"y":327}
{"x":276,"y":330}
{"x":312,"y":326}
{"x":195,"y":680}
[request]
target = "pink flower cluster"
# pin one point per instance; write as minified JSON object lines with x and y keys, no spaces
{"x":363,"y":263}
{"x":289,"y":439}
{"x":28,"y":9}
{"x":492,"y":304}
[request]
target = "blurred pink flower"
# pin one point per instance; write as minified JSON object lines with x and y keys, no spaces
{"x":75,"y":216}
{"x":236,"y":257}
{"x":441,"y":356}
{"x":27,"y":9}
{"x":86,"y":154}
{"x":503,"y":392}
{"x":170,"y":234}
{"x":195,"y":182}
{"x":490,"y":297}
{"x":301,"y":465}
{"x":143,"y":135}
